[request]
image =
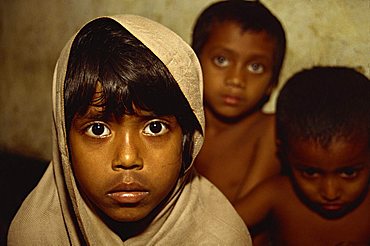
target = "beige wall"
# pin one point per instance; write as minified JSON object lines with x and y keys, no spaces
{"x":32,"y":33}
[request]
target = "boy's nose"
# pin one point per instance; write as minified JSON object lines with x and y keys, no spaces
{"x":330,"y":190}
{"x":235,"y":77}
{"x":128,"y":154}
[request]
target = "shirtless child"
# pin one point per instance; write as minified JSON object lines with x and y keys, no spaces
{"x":323,"y":126}
{"x":241,"y":47}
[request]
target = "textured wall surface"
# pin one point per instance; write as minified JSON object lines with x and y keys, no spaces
{"x":33,"y":32}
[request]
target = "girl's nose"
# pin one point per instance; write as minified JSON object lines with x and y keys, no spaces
{"x":128,"y":154}
{"x":330,"y":189}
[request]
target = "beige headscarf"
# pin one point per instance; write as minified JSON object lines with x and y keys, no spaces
{"x":196,"y":214}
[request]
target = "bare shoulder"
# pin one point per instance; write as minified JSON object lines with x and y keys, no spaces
{"x":267,"y":118}
{"x":258,"y":120}
{"x":262,"y":200}
{"x":266,"y":124}
{"x":247,"y":148}
{"x":268,"y":192}
{"x":273,"y":192}
{"x":265,"y":128}
{"x":264,"y":133}
{"x":275,"y":186}
{"x":263,"y":162}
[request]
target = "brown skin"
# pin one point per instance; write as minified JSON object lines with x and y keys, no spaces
{"x":334,"y":184}
{"x":239,"y":148}
{"x":125,"y":167}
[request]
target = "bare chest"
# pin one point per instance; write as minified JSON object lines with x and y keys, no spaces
{"x":304,"y":227}
{"x":227,"y":161}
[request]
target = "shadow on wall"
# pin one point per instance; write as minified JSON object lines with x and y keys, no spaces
{"x":18,"y":176}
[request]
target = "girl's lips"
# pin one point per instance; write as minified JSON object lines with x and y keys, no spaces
{"x":128,"y":193}
{"x":128,"y":197}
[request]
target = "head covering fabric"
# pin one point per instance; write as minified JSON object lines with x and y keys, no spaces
{"x":196,"y":214}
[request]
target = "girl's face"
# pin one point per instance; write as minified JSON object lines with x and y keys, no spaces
{"x":333,"y":180}
{"x":237,"y":68}
{"x":125,"y":167}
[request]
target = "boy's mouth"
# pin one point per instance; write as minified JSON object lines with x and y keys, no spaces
{"x":332,"y":206}
{"x":231,"y":100}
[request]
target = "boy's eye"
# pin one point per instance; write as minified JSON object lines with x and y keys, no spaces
{"x":221,"y":61}
{"x":310,"y":173}
{"x":256,"y":68}
{"x":155,"y":128}
{"x":98,"y":130}
{"x":348,"y":173}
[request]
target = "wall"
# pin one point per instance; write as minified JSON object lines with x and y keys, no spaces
{"x":32,"y":33}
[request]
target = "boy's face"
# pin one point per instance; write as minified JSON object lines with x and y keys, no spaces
{"x":125,"y":167}
{"x":332,"y":180}
{"x":237,"y":68}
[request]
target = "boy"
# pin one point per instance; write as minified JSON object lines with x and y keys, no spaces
{"x":323,"y":126}
{"x":128,"y":123}
{"x":241,"y":47}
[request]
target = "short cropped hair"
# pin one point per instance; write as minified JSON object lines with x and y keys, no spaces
{"x":323,"y":103}
{"x":251,"y":16}
{"x":131,"y":76}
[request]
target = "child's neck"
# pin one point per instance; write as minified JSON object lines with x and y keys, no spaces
{"x":216,"y":124}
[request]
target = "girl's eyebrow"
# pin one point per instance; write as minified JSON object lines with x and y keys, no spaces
{"x":150,"y":115}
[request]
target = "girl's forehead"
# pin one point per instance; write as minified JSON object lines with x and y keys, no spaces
{"x":97,"y":113}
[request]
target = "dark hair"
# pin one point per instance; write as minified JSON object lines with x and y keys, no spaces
{"x":323,"y":103}
{"x":251,"y":16}
{"x":130,"y":75}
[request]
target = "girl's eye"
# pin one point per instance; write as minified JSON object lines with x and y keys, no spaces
{"x":155,"y":128}
{"x":221,"y":61}
{"x":348,"y":173}
{"x":256,"y":68}
{"x":98,"y":130}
